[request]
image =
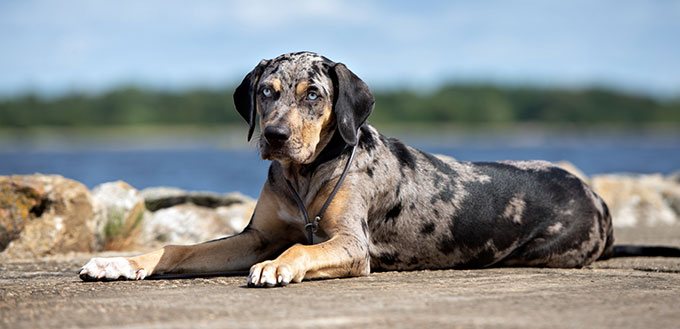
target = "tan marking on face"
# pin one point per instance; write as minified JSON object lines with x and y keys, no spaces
{"x":301,"y":87}
{"x":317,"y":134}
{"x":276,"y":84}
{"x":294,"y":121}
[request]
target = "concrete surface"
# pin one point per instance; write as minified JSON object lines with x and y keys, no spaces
{"x":618,"y":293}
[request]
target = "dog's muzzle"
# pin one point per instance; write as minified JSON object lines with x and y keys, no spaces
{"x":276,"y":135}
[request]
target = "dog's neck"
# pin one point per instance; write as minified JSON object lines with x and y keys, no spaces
{"x":330,"y":147}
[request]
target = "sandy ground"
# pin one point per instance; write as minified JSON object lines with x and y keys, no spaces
{"x":621,"y":293}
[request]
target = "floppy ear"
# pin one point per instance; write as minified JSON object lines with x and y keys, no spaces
{"x":352,"y":104}
{"x":244,"y":96}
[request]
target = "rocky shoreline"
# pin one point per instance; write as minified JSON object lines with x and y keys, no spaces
{"x":46,"y":215}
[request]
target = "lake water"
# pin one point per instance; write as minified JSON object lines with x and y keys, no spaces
{"x":211,"y":168}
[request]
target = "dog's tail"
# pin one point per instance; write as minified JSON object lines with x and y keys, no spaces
{"x":643,"y":251}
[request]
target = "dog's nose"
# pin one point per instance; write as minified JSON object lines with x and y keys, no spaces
{"x":276,"y":134}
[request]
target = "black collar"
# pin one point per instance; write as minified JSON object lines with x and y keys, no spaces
{"x":331,"y":150}
{"x":334,"y":149}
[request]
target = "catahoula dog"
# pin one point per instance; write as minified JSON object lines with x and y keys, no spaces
{"x":386,"y":206}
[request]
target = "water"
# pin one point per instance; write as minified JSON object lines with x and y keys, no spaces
{"x":209,"y":168}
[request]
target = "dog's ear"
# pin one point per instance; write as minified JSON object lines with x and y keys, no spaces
{"x":244,"y":96}
{"x":352,"y":104}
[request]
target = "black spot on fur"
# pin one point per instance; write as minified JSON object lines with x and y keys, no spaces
{"x":369,"y":171}
{"x":364,"y":226}
{"x":367,"y":141}
{"x":427,"y":228}
{"x":349,"y":254}
{"x":596,"y":248}
{"x":440,"y":165}
{"x":401,"y":152}
{"x":445,"y":194}
{"x":446,"y":245}
{"x":437,"y":180}
{"x":393,"y":213}
{"x":546,"y":191}
{"x":413,"y":261}
{"x":389,"y":258}
{"x":468,"y":230}
{"x":316,"y":71}
{"x":482,"y":258}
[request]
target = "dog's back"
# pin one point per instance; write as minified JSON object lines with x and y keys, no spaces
{"x":434,"y":212}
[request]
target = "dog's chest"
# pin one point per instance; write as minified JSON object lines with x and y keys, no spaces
{"x":291,"y":217}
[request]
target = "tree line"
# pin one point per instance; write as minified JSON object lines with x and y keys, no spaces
{"x":457,"y":103}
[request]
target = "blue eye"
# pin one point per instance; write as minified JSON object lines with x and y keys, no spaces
{"x":266,"y":92}
{"x":312,"y":96}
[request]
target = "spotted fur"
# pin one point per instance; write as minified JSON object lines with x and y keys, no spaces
{"x":398,"y":209}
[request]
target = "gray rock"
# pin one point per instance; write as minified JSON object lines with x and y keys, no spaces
{"x":157,"y":198}
{"x":675,"y":176}
{"x":186,"y":217}
{"x":189,"y":223}
{"x":648,"y":200}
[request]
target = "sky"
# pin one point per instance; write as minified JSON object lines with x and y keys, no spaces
{"x":54,"y":47}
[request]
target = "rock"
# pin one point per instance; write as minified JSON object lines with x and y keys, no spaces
{"x":119,"y":211}
{"x":43,"y":215}
{"x":444,"y":157}
{"x":572,"y":169}
{"x":675,"y":176}
{"x":634,"y":200}
{"x":164,"y":197}
{"x":185,"y":217}
{"x":189,"y":223}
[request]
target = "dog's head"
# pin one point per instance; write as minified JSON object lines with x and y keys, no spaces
{"x":302,"y":99}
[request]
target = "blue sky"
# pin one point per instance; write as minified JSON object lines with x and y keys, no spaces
{"x":60,"y":46}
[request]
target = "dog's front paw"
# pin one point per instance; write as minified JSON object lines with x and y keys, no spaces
{"x":273,"y":273}
{"x":116,"y":268}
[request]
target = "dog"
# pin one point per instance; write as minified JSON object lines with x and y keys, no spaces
{"x":386,"y":205}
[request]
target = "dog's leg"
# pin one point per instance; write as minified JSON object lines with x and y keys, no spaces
{"x":262,"y":239}
{"x":344,"y":254}
{"x":230,"y":254}
{"x":324,"y":260}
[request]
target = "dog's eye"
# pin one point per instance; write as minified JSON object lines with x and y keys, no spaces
{"x":312,"y":96}
{"x":266,"y":92}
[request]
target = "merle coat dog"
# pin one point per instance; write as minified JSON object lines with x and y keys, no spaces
{"x":397,"y":208}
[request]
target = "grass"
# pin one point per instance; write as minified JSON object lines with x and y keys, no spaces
{"x":120,"y":231}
